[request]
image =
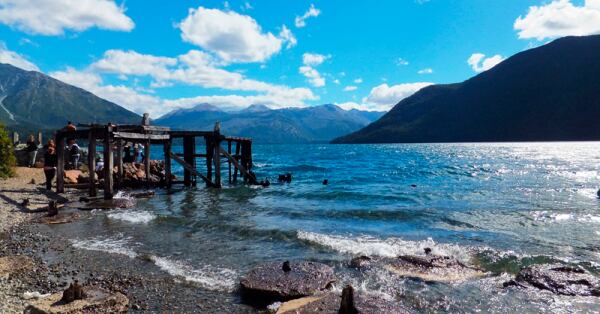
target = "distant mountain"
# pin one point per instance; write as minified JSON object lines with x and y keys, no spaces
{"x":264,"y":125}
{"x":550,"y":93}
{"x":33,"y":101}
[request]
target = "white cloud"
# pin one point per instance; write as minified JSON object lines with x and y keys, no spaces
{"x":134,"y":63}
{"x":312,"y":12}
{"x":480,"y":63}
{"x":310,"y":61}
{"x":559,"y":18}
{"x":358,"y":80}
{"x":231,"y":36}
{"x":336,"y":81}
{"x":426,"y":71}
{"x":287,"y":36}
{"x":350,"y":88}
{"x":387,"y":96}
{"x":13,"y":58}
{"x":314,"y":59}
{"x":401,"y":62}
{"x":53,"y":17}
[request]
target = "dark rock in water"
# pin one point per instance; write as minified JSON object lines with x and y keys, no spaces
{"x":331,"y":303}
{"x":434,"y":268}
{"x":559,"y":279}
{"x":73,"y":292}
{"x":361,"y":262}
{"x":286,"y":266}
{"x":115,"y":203}
{"x":270,"y":282}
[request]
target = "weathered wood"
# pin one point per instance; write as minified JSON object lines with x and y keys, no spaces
{"x":60,"y":164}
{"x":209,"y":155}
{"x":108,"y":165}
{"x":217,"y":161}
{"x":189,"y":145}
{"x":167,"y":153}
{"x":119,"y":163}
{"x":139,"y":136}
{"x":191,"y":169}
{"x":242,"y":169}
{"x":237,"y":158}
{"x":229,"y":161}
{"x":92,"y":163}
{"x":147,"y":163}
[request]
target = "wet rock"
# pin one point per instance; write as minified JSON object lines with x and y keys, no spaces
{"x":270,"y":282}
{"x":559,"y":279}
{"x":96,"y":300}
{"x":72,"y":293}
{"x":433,"y":268}
{"x":333,"y":303}
{"x":115,"y":203}
{"x":361,"y":262}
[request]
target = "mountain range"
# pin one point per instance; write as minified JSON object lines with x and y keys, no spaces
{"x":289,"y":125}
{"x":549,"y":93}
{"x":31,"y":101}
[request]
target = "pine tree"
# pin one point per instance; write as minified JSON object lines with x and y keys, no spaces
{"x":7,"y":155}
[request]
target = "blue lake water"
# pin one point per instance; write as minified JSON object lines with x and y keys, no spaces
{"x":498,"y":206}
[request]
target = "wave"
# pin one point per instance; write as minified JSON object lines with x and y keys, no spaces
{"x":133,"y":216}
{"x":390,"y":247}
{"x":546,"y":216}
{"x":207,"y":276}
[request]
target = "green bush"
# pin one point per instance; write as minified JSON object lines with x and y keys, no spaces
{"x":7,"y":155}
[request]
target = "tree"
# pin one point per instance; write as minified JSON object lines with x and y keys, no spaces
{"x":7,"y":155}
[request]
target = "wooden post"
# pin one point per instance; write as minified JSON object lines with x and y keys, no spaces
{"x":147,"y":163}
{"x":108,"y":164}
{"x":119,"y":162}
{"x":237,"y":153}
{"x":189,"y":148}
{"x":92,"y":162}
{"x":209,"y":157}
{"x":60,"y":163}
{"x":167,"y":153}
{"x":217,"y":153}
{"x":229,"y":161}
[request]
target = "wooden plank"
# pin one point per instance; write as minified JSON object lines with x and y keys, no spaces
{"x":147,"y":163}
{"x":191,"y":169}
{"x":229,"y":161}
{"x":237,"y":157}
{"x":119,"y":163}
{"x":108,"y":165}
{"x":140,"y":136}
{"x":178,"y":134}
{"x":60,"y":163}
{"x":209,"y":155}
{"x":217,"y":161}
{"x":167,"y":153}
{"x":239,"y":166}
{"x":92,"y":164}
{"x":189,"y":145}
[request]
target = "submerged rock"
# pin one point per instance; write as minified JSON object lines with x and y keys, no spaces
{"x":361,"y":262}
{"x":350,"y":302}
{"x":434,"y":268}
{"x":559,"y":279}
{"x":94,"y":300}
{"x":285,"y":281}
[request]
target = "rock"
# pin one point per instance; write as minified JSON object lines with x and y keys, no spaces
{"x":73,"y":292}
{"x":434,"y":268}
{"x":15,"y":264}
{"x":270,"y":282}
{"x":559,"y":279}
{"x":96,"y":300}
{"x":72,"y":175}
{"x":119,"y":202}
{"x":361,"y":262}
{"x":331,"y":303}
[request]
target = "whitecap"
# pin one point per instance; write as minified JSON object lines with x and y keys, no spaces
{"x":108,"y":245}
{"x":207,"y":276}
{"x":133,"y":216}
{"x":390,"y":247}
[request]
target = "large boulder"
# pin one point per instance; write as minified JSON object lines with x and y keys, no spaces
{"x":288,"y":280}
{"x":433,"y":268}
{"x":558,"y":279}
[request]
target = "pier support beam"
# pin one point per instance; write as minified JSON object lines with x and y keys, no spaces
{"x":147,"y":163}
{"x":167,"y":153}
{"x":189,"y":150}
{"x":108,"y":164}
{"x":60,"y":164}
{"x":119,"y":163}
{"x":92,"y":163}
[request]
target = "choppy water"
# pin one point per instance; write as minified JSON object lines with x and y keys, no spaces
{"x":498,"y":206}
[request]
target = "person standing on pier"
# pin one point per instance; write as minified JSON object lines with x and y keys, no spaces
{"x":50,"y":162}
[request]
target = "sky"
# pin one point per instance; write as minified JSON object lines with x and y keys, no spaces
{"x":156,"y":56}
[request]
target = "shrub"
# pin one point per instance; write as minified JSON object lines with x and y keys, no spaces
{"x":7,"y":155}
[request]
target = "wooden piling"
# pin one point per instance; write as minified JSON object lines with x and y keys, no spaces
{"x":147,"y":163}
{"x":217,"y":153}
{"x":189,"y":147}
{"x":108,"y":164}
{"x":209,"y":157}
{"x":119,"y":163}
{"x":167,"y":153}
{"x":237,"y":158}
{"x":229,"y":161}
{"x":92,"y":163}
{"x":60,"y":164}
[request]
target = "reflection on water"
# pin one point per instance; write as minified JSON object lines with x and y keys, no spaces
{"x":498,"y":206}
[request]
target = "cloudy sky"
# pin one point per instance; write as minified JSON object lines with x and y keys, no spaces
{"x":155,"y":56}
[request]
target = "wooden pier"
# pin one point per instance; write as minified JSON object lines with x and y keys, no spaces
{"x":237,"y":154}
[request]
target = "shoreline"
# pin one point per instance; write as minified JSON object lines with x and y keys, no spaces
{"x":55,"y":263}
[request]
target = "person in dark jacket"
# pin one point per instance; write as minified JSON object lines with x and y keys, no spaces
{"x":31,"y":149}
{"x":50,"y":162}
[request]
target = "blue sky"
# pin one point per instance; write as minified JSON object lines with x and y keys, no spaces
{"x":155,"y":56}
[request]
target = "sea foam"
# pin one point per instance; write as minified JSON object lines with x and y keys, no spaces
{"x":133,"y":216}
{"x":108,"y":245}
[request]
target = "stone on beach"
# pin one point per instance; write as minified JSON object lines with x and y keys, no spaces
{"x":361,"y":262}
{"x":96,"y":300}
{"x":558,"y":279}
{"x":271,"y":281}
{"x":433,"y":268}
